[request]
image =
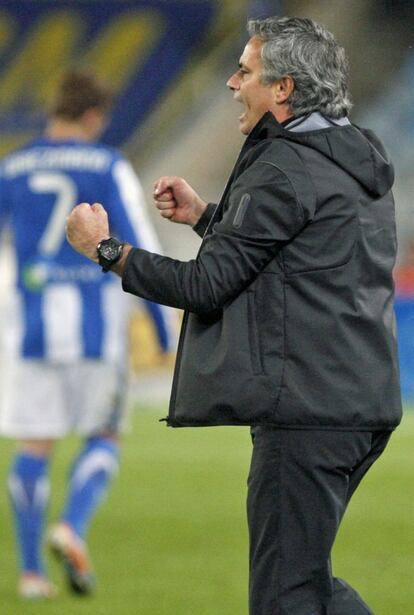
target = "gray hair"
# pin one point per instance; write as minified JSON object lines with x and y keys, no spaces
{"x":308,"y":53}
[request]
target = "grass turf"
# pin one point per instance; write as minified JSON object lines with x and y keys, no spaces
{"x":172,"y":540}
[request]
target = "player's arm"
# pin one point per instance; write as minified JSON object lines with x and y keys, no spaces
{"x":165,"y":325}
{"x":4,"y":202}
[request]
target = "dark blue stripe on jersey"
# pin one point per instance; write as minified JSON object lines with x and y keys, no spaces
{"x":92,"y":321}
{"x":33,"y":343}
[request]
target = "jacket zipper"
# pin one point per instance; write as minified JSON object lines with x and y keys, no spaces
{"x":174,"y":386}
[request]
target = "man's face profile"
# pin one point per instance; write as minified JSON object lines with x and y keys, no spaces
{"x":248,"y":89}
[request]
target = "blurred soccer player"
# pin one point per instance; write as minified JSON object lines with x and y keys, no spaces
{"x":68,"y":325}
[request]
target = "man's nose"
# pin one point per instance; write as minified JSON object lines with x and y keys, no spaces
{"x":233,"y":82}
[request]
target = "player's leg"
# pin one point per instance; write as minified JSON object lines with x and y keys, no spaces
{"x":93,"y":469}
{"x":31,"y":414}
{"x":29,"y":494}
{"x":298,"y":490}
{"x":90,"y":480}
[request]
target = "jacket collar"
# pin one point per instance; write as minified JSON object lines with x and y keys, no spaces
{"x":266,"y":128}
{"x":269,"y":128}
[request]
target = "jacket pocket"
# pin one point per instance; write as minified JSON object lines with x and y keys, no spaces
{"x":253,"y":331}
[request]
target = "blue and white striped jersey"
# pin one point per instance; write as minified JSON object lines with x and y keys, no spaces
{"x":65,"y":308}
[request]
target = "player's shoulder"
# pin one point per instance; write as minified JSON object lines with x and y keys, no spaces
{"x":103,"y":147}
{"x":12,"y":158}
{"x":25,"y":147}
{"x":114,"y":154}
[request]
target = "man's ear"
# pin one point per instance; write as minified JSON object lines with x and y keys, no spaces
{"x":282,"y":89}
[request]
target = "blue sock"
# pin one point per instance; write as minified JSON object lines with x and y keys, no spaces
{"x":89,"y":482}
{"x":29,"y":493}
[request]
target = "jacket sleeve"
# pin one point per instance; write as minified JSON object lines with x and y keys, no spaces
{"x":264,"y":213}
{"x":201,"y":226}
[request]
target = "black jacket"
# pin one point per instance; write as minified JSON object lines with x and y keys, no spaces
{"x":289,"y":317}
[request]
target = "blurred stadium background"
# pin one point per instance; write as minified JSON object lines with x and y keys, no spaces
{"x":173,"y":531}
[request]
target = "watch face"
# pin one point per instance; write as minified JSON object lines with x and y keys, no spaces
{"x":109,"y":251}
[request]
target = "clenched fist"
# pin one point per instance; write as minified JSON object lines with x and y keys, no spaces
{"x":178,"y":201}
{"x":86,"y":226}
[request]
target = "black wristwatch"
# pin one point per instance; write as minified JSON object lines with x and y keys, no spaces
{"x":109,"y":252}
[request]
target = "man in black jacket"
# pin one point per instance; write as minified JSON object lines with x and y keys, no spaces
{"x":289,"y":320}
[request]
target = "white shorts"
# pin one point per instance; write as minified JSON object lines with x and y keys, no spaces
{"x":43,"y":400}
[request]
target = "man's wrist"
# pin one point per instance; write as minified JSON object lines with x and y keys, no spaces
{"x":202,"y":206}
{"x":119,"y":266}
{"x":201,"y":226}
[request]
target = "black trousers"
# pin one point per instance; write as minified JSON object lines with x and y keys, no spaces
{"x":299,"y":485}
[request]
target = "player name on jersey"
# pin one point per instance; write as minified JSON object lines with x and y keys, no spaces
{"x":69,"y":158}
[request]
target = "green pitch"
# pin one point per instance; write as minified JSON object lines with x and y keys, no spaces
{"x":171,"y":539}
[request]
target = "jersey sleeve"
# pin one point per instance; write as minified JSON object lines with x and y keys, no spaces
{"x":127,"y":209}
{"x":130,"y":222}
